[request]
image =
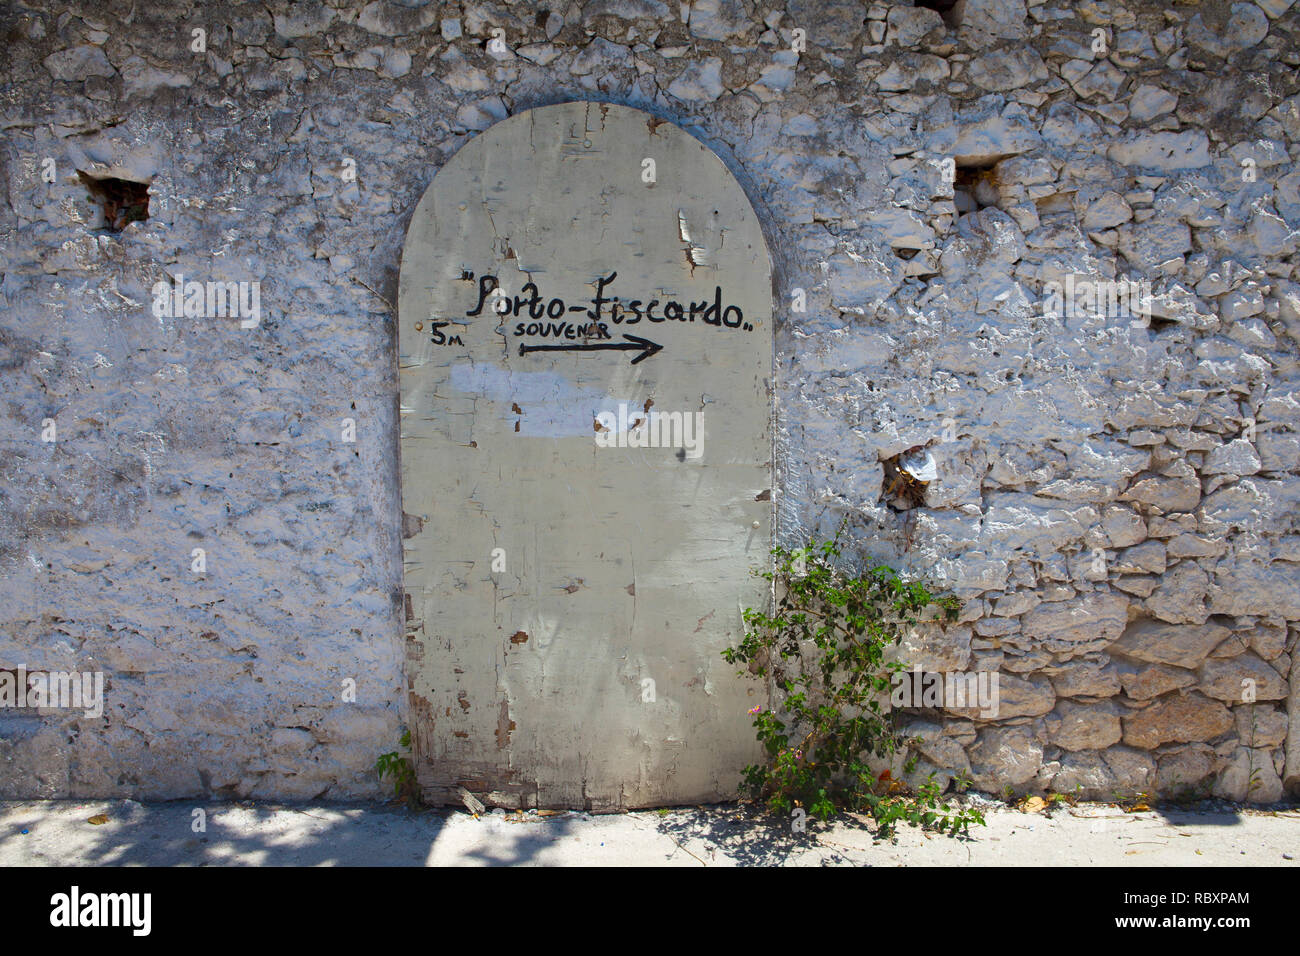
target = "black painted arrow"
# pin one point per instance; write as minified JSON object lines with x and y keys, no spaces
{"x":633,"y":343}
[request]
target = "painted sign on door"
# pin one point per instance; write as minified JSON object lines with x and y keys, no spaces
{"x":585,"y":355}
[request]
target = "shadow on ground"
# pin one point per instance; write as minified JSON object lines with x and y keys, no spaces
{"x":37,"y":833}
{"x":747,"y":836}
{"x":264,"y":835}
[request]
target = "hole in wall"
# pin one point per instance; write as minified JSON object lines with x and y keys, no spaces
{"x":975,"y":187}
{"x":1158,"y":324}
{"x":950,"y":10}
{"x":907,"y":476}
{"x":120,"y":201}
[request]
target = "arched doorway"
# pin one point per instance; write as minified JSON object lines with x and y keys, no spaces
{"x":585,"y":349}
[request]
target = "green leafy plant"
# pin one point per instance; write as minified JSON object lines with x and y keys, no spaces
{"x":824,"y":652}
{"x":399,"y":768}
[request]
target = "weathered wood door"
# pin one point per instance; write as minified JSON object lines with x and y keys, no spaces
{"x":586,"y":353}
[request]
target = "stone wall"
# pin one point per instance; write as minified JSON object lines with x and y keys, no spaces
{"x":1116,"y":496}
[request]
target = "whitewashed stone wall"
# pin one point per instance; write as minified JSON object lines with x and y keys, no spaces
{"x":1117,"y":501}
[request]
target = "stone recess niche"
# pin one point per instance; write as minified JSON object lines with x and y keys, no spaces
{"x":574,"y":576}
{"x":1116,"y":498}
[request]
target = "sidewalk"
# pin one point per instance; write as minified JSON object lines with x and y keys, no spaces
{"x":34,"y":833}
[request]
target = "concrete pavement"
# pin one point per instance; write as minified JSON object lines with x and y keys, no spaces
{"x":34,"y":833}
